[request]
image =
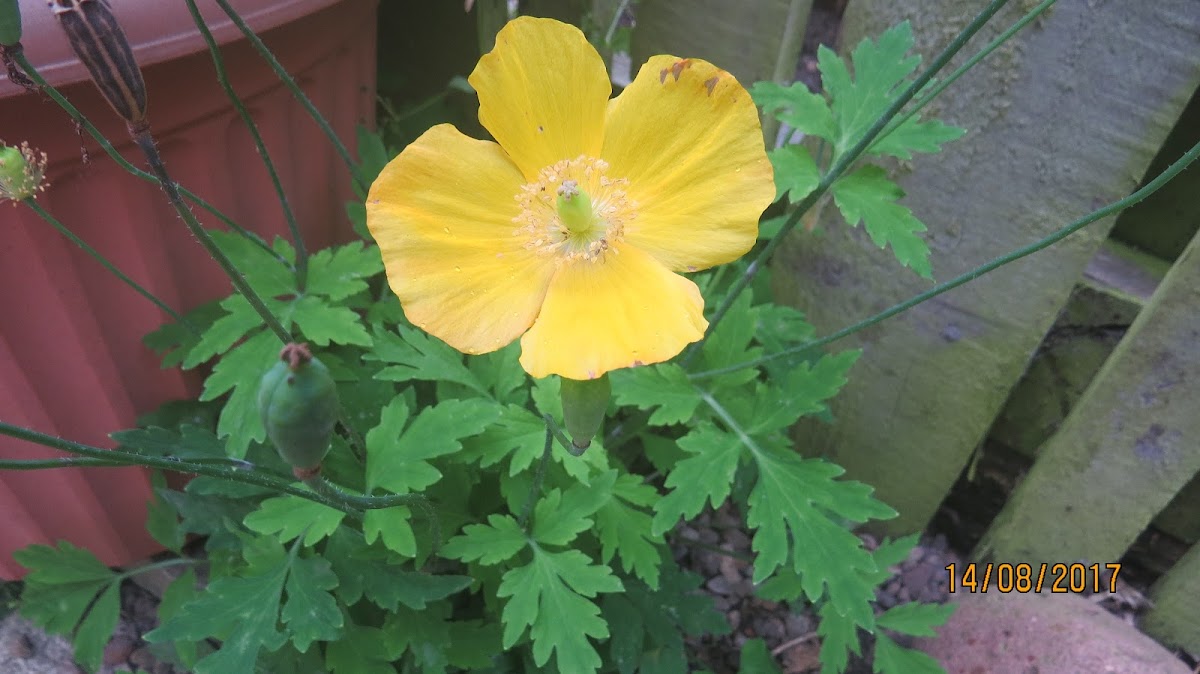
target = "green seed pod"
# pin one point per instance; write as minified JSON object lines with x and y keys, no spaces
{"x":584,"y":404}
{"x":10,"y":22}
{"x":298,"y":403}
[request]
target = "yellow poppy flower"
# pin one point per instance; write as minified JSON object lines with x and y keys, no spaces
{"x":570,"y":230}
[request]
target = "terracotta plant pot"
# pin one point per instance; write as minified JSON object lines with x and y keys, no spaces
{"x":72,"y":362}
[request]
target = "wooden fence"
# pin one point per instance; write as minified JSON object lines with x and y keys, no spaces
{"x":1085,"y":358}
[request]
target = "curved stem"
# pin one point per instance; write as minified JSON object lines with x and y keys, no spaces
{"x":166,"y":563}
{"x":95,"y":254}
{"x":108,"y":148}
{"x":145,"y":142}
{"x":324,"y":487}
{"x":1150,"y":188}
{"x":290,"y":83}
{"x":259,"y":145}
{"x":843,"y":163}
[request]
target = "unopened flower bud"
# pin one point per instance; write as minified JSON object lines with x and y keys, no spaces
{"x":21,"y":172}
{"x":584,"y":405}
{"x":10,"y":23}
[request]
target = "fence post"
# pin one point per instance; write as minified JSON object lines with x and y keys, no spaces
{"x":1125,"y":449}
{"x":1175,"y":617}
{"x":1063,"y":119}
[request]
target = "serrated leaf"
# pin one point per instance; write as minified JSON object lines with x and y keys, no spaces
{"x":323,"y":323}
{"x":174,"y":341}
{"x":415,"y":355}
{"x":664,"y":388}
{"x":264,"y":272}
{"x":476,"y":644}
{"x":311,"y":613}
{"x":839,"y":638}
{"x":521,"y":435}
{"x":560,"y":516}
{"x":916,"y":136}
{"x":550,"y":596}
{"x":500,"y":539}
{"x":756,"y":658}
{"x":181,"y":591}
{"x":625,"y":529}
{"x":802,"y":391}
{"x":399,"y":464}
{"x":361,"y":650}
{"x":244,"y":610}
{"x":730,"y":344}
{"x":628,"y":635}
{"x":502,"y":374}
{"x":61,"y":565}
{"x":867,"y":195}
{"x":915,"y":619}
{"x":372,"y":155}
{"x":879,"y":68}
{"x":338,"y":273}
{"x":795,"y":106}
{"x":705,"y":475}
{"x":97,"y":628}
{"x":892,"y":553}
{"x":239,"y":319}
{"x":289,"y":516}
{"x":796,"y":174}
{"x":241,"y":370}
{"x":425,"y":635}
{"x":783,"y":507}
{"x":394,"y":527}
{"x":891,"y":658}
{"x":162,"y":523}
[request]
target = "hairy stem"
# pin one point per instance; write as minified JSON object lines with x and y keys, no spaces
{"x":259,"y":145}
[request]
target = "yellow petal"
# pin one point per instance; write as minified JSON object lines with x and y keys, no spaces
{"x":542,"y":93}
{"x":624,"y":310}
{"x":442,"y":214}
{"x":686,"y":135}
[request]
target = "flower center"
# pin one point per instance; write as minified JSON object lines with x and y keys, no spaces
{"x":573,"y":211}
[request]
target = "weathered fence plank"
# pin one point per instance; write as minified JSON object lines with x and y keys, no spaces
{"x":1063,"y":119}
{"x":1175,"y":617}
{"x":1125,"y":449}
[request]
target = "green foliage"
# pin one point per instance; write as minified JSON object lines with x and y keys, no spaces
{"x":551,"y":562}
{"x":838,"y":120}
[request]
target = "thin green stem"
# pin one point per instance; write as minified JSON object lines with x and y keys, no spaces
{"x":615,"y":23}
{"x":62,"y":462}
{"x":145,"y":142}
{"x":329,"y":490}
{"x":785,"y":59}
{"x":117,"y":457}
{"x":535,"y":488}
{"x":1115,"y":207}
{"x":971,"y":63}
{"x":259,"y":145}
{"x":154,"y":566}
{"x":562,"y":437}
{"x":108,"y":148}
{"x":843,"y":163}
{"x":290,"y":83}
{"x":95,"y":254}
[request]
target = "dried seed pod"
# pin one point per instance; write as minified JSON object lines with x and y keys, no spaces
{"x":299,"y":406}
{"x":10,"y":23}
{"x":98,"y":41}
